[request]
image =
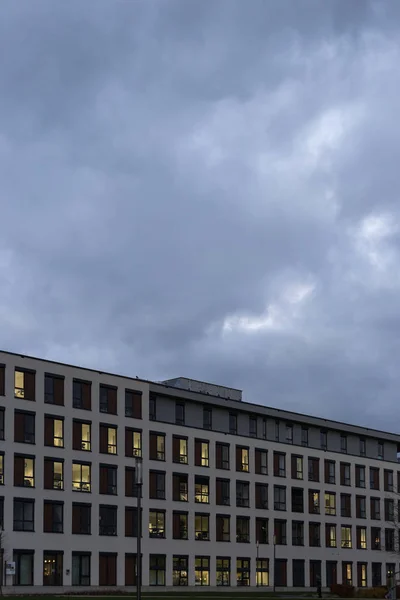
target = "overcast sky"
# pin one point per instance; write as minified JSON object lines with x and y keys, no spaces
{"x":207,"y":189}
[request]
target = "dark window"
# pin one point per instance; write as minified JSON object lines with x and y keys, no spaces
{"x":107,"y":568}
{"x":156,"y":523}
{"x":330,"y":475}
{"x":324,"y":439}
{"x":108,"y":399}
{"x":152,"y":408}
{"x":343,"y":443}
{"x":131,"y":489}
{"x":243,"y":529}
{"x":24,"y":427}
{"x":54,"y":389}
{"x":360,"y":476}
{"x":233,"y":423}
{"x":24,"y":384}
{"x":53,"y":517}
{"x":313,"y":469}
{"x":345,"y":505}
{"x":107,"y":520}
{"x":280,"y":532}
{"x":180,"y":450}
{"x":2,"y":380}
{"x":261,"y":461}
{"x":388,"y":480}
{"x":363,"y":450}
{"x":180,"y":487}
{"x":279,"y":497}
{"x":345,"y":478}
{"x":82,"y":394}
{"x":53,"y":431}
{"x":179,"y":413}
{"x":223,"y":527}
{"x":279,"y":464}
{"x":361,"y":507}
{"x":157,"y":485}
{"x":108,"y":479}
{"x":131,"y":521}
{"x":202,"y":526}
{"x":380,"y":450}
{"x":222,"y":456}
{"x":243,"y":572}
{"x":24,"y":514}
{"x":53,"y":568}
{"x":1,"y":512}
{"x":277,"y":431}
{"x":180,"y":525}
{"x":389,"y":540}
{"x":304,"y":436}
{"x":280,"y":572}
{"x":81,"y":568}
{"x":201,"y":489}
{"x":108,"y":439}
{"x":331,"y":573}
{"x":223,"y":492}
{"x":375,"y":509}
{"x":289,"y":434}
{"x":2,"y":423}
{"x":264,"y":429}
{"x":157,"y":446}
{"x":374,"y":478}
{"x":1,"y":468}
{"x":157,"y":569}
{"x":24,"y":561}
{"x":315,"y":573}
{"x":81,"y":435}
{"x":389,"y":509}
{"x":297,"y":533}
{"x":243,"y":493}
{"x":262,"y":495}
{"x":253,"y":426}
{"x":376,"y":570}
{"x":81,"y":518}
{"x":180,"y":569}
{"x":298,"y":573}
{"x":24,"y":471}
{"x":297,"y":500}
{"x":261,"y":530}
{"x":207,"y":417}
{"x":133,"y":404}
{"x":315,"y":534}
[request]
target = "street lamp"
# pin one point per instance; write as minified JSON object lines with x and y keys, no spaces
{"x":139,"y":485}
{"x":258,"y":545}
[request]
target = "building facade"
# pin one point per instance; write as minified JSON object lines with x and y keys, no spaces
{"x":233,"y":494}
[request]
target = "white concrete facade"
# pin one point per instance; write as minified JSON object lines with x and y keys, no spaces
{"x":68,"y":543}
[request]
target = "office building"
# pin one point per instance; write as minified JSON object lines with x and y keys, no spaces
{"x":233,"y":493}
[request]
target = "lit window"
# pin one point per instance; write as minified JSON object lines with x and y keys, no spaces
{"x":29,"y":472}
{"x":19,"y":383}
{"x":202,"y":570}
{"x":58,"y":439}
{"x":362,"y":532}
{"x":204,"y":454}
{"x":202,"y":490}
{"x":183,"y":451}
{"x":137,"y":443}
{"x":262,"y":572}
{"x":81,"y":480}
{"x":331,"y":536}
{"x":156,"y":524}
{"x":112,"y":440}
{"x":86,"y":436}
{"x":330,"y":504}
{"x":202,"y":527}
{"x":346,"y":537}
{"x":58,"y":482}
{"x":180,"y":571}
{"x":244,"y":466}
{"x":160,"y":447}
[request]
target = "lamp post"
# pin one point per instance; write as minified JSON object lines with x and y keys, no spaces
{"x":258,"y":545}
{"x":139,"y":485}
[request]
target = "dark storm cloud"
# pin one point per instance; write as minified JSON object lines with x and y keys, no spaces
{"x":206,"y":189}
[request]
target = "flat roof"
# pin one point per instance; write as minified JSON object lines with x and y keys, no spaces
{"x":243,"y":406}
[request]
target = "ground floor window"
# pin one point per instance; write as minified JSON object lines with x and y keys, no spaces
{"x":23,"y":567}
{"x":390,"y":573}
{"x":180,"y":570}
{"x":202,"y":570}
{"x":262,"y":572}
{"x":280,"y":572}
{"x":80,"y":568}
{"x":376,"y":574}
{"x":223,"y":571}
{"x":315,"y":573}
{"x":347,"y":573}
{"x":243,"y":571}
{"x":130,"y":569}
{"x":53,"y":568}
{"x":107,"y":568}
{"x":157,"y":569}
{"x":362,"y":574}
{"x":331,"y":573}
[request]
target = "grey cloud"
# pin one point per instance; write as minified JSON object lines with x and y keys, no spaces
{"x":168,"y":168}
